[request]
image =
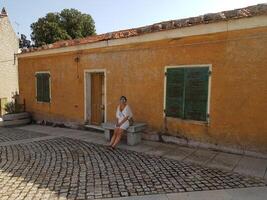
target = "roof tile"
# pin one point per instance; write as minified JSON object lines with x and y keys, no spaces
{"x":256,"y":10}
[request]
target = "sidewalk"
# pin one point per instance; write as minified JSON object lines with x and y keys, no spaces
{"x":241,"y":164}
{"x":231,"y":194}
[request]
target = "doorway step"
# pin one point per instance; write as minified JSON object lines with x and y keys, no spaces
{"x":94,"y":128}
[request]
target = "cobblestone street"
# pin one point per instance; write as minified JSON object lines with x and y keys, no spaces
{"x":8,"y":134}
{"x":68,"y":168}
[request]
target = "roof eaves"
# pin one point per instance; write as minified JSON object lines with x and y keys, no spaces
{"x":251,"y":11}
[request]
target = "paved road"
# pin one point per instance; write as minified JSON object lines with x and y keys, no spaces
{"x":36,"y":165}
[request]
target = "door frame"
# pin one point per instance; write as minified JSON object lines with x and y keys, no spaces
{"x":90,"y":71}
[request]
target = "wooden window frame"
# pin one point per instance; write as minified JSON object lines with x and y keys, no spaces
{"x":209,"y":66}
{"x":50,"y":86}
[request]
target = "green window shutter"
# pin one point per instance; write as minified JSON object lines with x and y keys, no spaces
{"x":39,"y":80}
{"x":43,"y":87}
{"x":46,"y":89}
{"x":175,"y":93}
{"x":196,"y":93}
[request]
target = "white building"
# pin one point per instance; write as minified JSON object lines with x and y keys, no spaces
{"x":9,"y":46}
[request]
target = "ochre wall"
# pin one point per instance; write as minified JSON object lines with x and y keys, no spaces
{"x":238,"y":103}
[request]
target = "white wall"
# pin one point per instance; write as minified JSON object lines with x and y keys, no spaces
{"x":9,"y":45}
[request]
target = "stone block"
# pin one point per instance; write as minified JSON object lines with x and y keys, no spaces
{"x":133,"y":138}
{"x":151,"y":137}
{"x":108,"y":134}
{"x":175,"y":140}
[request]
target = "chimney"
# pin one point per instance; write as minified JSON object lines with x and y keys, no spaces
{"x":3,"y":13}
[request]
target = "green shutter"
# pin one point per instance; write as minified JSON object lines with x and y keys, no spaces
{"x":175,"y":92}
{"x":196,"y":93}
{"x":46,"y":89}
{"x":43,"y":87}
{"x":39,"y":80}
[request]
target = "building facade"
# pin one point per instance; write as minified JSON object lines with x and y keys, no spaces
{"x":9,"y":46}
{"x":201,"y":78}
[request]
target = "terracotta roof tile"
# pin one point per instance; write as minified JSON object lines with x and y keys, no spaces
{"x":260,"y":9}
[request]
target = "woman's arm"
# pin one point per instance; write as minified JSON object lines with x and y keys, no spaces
{"x":124,"y":120}
{"x":117,"y":117}
{"x":117,"y":122}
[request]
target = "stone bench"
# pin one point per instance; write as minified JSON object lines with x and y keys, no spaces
{"x":134,"y":132}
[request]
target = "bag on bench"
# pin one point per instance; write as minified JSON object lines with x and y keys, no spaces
{"x":131,"y":121}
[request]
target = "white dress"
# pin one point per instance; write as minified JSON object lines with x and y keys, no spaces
{"x":120,"y":115}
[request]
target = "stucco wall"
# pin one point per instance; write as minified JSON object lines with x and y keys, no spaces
{"x":238,"y":106}
{"x":9,"y":45}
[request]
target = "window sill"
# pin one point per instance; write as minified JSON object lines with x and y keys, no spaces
{"x":42,"y":102}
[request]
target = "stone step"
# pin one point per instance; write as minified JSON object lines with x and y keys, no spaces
{"x":94,"y":127}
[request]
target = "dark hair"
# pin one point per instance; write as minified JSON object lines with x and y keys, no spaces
{"x":123,"y":97}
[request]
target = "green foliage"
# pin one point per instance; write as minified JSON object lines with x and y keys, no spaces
{"x":68,"y":24}
{"x":13,"y":107}
{"x":23,"y":42}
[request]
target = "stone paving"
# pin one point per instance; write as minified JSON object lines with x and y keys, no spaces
{"x":67,"y":168}
{"x":10,"y":134}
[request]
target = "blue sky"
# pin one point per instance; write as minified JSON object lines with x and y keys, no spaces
{"x":111,"y":15}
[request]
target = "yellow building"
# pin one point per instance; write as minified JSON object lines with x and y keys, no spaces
{"x":203,"y":78}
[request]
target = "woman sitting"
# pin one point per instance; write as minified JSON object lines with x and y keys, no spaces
{"x":123,"y":115}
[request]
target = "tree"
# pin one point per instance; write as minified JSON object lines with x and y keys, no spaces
{"x":23,"y":42}
{"x":68,"y":24}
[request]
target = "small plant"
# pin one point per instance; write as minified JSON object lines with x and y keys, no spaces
{"x":14,"y":106}
{"x":10,"y":107}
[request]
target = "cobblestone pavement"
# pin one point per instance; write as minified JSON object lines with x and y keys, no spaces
{"x":10,"y":134}
{"x":66,"y":168}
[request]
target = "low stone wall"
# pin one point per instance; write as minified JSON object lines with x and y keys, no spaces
{"x":15,"y":119}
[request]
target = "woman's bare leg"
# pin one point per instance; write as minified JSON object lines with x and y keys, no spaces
{"x":114,"y":136}
{"x":118,"y":138}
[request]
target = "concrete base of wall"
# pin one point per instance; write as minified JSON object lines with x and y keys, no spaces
{"x":72,"y":125}
{"x":192,"y":143}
